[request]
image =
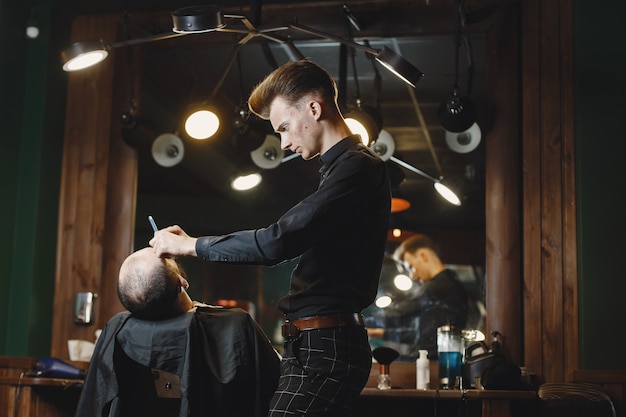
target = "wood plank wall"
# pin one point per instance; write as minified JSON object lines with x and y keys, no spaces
{"x":97,"y":198}
{"x":502,"y":198}
{"x":549,"y":206}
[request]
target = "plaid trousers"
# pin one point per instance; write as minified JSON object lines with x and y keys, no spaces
{"x":322,"y":373}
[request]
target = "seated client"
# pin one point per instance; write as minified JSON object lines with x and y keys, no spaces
{"x":168,"y":355}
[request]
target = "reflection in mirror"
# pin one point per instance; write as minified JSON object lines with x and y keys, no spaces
{"x":410,"y":306}
{"x":196,"y":194}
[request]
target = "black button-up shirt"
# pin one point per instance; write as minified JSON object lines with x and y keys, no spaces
{"x":339,"y":232}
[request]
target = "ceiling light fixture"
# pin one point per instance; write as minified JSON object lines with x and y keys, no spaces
{"x":85,"y":54}
{"x":384,"y":146}
{"x":168,"y":150}
{"x":269,"y":155}
{"x":211,"y":18}
{"x":395,"y":63}
{"x":457,"y":115}
{"x":443,"y":190}
{"x":364,"y":121}
{"x":466,"y":141}
{"x":202,"y":123}
{"x":246,"y":182}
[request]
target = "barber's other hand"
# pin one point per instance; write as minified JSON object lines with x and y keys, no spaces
{"x":173,"y":241}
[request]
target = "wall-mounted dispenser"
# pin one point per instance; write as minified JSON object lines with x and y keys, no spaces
{"x":83,"y":307}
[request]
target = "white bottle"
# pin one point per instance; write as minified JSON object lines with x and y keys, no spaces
{"x":422,"y":370}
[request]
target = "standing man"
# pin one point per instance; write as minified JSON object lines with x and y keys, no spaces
{"x":339,"y":232}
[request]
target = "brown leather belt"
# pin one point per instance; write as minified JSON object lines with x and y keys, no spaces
{"x":292,"y":328}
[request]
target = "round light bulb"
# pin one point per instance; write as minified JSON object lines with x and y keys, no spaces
{"x":402,"y":282}
{"x":246,"y":182}
{"x":202,"y":124}
{"x":32,"y":32}
{"x":384,"y":301}
{"x":357,"y":128}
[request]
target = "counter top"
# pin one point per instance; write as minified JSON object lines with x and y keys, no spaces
{"x":41,"y":382}
{"x":478,"y":394}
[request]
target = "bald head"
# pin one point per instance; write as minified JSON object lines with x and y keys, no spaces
{"x":151,"y":287}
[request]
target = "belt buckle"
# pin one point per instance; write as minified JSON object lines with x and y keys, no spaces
{"x":289,"y":330}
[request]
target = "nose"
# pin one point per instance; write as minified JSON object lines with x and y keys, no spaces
{"x":285,"y":143}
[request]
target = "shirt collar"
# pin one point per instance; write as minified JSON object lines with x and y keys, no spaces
{"x":339,"y":148}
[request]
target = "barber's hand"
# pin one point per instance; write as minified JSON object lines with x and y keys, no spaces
{"x":173,"y":241}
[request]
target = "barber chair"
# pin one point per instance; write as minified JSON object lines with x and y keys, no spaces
{"x":215,"y":361}
{"x":562,"y":399}
{"x":149,"y":359}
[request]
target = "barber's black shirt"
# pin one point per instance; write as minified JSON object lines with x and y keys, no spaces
{"x":339,"y":232}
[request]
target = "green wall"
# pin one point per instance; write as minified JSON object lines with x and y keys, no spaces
{"x":32,"y":93}
{"x":600,"y":110}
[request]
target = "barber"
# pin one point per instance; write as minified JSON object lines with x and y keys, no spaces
{"x":339,"y":233}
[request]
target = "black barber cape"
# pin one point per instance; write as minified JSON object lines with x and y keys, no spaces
{"x":226,"y":365}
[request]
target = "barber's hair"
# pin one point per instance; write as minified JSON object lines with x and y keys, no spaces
{"x":292,"y":81}
{"x":414,"y":243}
{"x":150,"y":292}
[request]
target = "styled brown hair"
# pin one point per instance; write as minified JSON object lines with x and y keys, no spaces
{"x":292,"y":81}
{"x":412,"y":244}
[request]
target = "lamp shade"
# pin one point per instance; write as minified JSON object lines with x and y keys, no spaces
{"x":399,"y":204}
{"x":457,"y":114}
{"x":82,"y":55}
{"x":168,"y":150}
{"x":198,"y":19}
{"x":269,"y":155}
{"x":384,"y":145}
{"x":464,"y":142}
{"x":449,"y":195}
{"x":399,"y":66}
{"x":366,"y":122}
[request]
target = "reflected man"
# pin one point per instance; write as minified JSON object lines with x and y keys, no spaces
{"x":440,"y":299}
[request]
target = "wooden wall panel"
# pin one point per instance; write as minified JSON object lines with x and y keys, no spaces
{"x":568,"y":164}
{"x":503,"y":234}
{"x":533,"y":355}
{"x":550,"y":286}
{"x":550,"y":193}
{"x":96,"y":181}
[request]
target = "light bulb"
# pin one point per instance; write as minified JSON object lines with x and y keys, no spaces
{"x":357,"y":128}
{"x":383,"y":301}
{"x":246,"y":182}
{"x":402,"y":282}
{"x":85,"y":60}
{"x":202,"y":124}
{"x":447,"y":193}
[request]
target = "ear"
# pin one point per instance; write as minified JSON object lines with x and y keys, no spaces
{"x":423,"y":254}
{"x":315,"y":109}
{"x":183,"y":282}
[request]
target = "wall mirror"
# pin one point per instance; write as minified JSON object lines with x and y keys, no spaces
{"x":196,"y":193}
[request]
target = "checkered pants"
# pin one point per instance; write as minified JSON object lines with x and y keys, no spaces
{"x":322,"y":372}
